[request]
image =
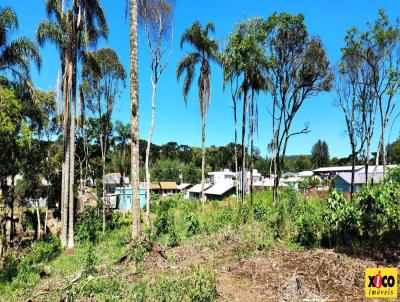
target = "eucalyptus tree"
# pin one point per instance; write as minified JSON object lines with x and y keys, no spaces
{"x":379,"y":47}
{"x":245,"y":61}
{"x":361,"y":75}
{"x":15,"y":55}
{"x":346,"y":89}
{"x":157,"y":19}
{"x":205,"y":51}
{"x":298,"y":69}
{"x":102,"y":77}
{"x":134,"y":102}
{"x":71,"y":27}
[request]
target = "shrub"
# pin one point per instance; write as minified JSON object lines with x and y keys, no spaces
{"x":307,"y":231}
{"x":192,"y":225}
{"x":138,"y":253}
{"x":201,"y":285}
{"x":90,"y":261}
{"x":163,"y":223}
{"x":173,"y":238}
{"x":88,"y":224}
{"x":9,"y":269}
{"x":47,"y":250}
{"x":343,"y":219}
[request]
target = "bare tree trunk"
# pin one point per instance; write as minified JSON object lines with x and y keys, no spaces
{"x":378,"y":152}
{"x":45,"y":222}
{"x":134,"y":100}
{"x":236,"y":153}
{"x":103,"y":197}
{"x":39,"y":224}
{"x":148,"y":180}
{"x":12,"y":224}
{"x":251,"y":146}
{"x":353,"y":164}
{"x":243,"y":176}
{"x":384,"y":148}
{"x":203,"y":151}
{"x":72,"y":158}
{"x":65,"y":164}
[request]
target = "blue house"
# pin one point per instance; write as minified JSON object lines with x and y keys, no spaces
{"x":126,"y":203}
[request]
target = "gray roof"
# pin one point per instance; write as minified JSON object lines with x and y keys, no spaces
{"x":219,"y":189}
{"x":114,"y":179}
{"x":359,"y":175}
{"x":336,"y":169}
{"x":197,"y":188}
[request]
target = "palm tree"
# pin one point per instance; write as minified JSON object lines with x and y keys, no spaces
{"x":245,"y":58}
{"x":15,"y":56}
{"x":205,"y":51}
{"x":123,"y":133}
{"x":71,"y":31}
{"x":134,"y":100}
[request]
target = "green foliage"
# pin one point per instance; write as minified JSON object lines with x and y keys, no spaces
{"x":90,"y":260}
{"x":201,"y":285}
{"x":309,"y":182}
{"x":320,"y":154}
{"x":393,"y":176}
{"x":192,"y":225}
{"x":9,"y":269}
{"x":88,"y":224}
{"x":173,"y":237}
{"x":46,"y":250}
{"x":139,"y":252}
{"x":197,"y":284}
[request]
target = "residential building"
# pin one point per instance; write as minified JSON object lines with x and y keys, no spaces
{"x":342,"y":181}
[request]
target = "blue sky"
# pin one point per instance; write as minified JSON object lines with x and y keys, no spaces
{"x":177,"y":122}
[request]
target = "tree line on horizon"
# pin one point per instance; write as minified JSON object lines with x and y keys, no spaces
{"x":68,"y":134}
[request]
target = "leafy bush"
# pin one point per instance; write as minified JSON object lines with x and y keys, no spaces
{"x":163,"y":223}
{"x":192,"y":225}
{"x":173,"y":238}
{"x":201,"y":285}
{"x":90,"y":261}
{"x":343,"y":219}
{"x":9,"y":269}
{"x":88,"y":224}
{"x":47,"y":250}
{"x":307,"y":231}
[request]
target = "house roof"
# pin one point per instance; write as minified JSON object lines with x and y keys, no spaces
{"x":336,"y":169}
{"x":168,"y":185}
{"x":291,"y":179}
{"x":305,"y":173}
{"x":219,"y":189}
{"x":184,"y":186}
{"x":155,"y":186}
{"x":197,"y":188}
{"x":114,"y":179}
{"x":359,"y":177}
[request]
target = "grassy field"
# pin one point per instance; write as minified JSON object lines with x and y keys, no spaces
{"x":218,"y":251}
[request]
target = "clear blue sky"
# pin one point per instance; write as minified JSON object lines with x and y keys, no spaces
{"x":177,"y":122}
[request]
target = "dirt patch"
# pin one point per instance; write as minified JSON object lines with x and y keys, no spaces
{"x":288,"y":275}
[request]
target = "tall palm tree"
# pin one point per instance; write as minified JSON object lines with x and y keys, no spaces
{"x":16,"y":55}
{"x":205,"y":51}
{"x":134,"y":100}
{"x":72,"y":30}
